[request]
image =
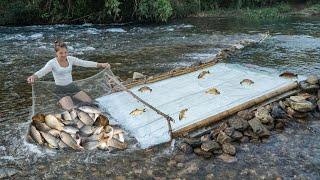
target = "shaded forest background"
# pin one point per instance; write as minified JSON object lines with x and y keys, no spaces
{"x":27,"y":12}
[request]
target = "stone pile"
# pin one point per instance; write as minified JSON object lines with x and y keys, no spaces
{"x":256,"y":126}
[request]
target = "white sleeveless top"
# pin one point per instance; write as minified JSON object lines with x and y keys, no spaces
{"x":62,"y":75}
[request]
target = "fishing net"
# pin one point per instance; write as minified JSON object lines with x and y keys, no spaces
{"x":46,"y":94}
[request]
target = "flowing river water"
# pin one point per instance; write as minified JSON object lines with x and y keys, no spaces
{"x":294,"y":45}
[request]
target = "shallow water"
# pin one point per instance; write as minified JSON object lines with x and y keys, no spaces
{"x":294,"y":45}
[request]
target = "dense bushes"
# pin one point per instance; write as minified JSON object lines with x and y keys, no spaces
{"x":21,"y":12}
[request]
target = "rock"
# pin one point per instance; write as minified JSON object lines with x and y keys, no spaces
{"x":318,"y":93}
{"x":238,"y":123}
{"x":279,"y":126}
{"x":137,"y":76}
{"x":193,"y":142}
{"x":301,"y":106}
{"x":223,"y":138}
{"x":277,"y":112}
{"x":7,"y":172}
{"x":128,"y":81}
{"x":244,"y":139}
{"x":205,"y":138}
{"x":186,"y":148}
{"x":295,"y":114}
{"x":255,"y":140}
{"x":218,"y":152}
{"x":318,"y":104}
{"x":237,"y":135}
{"x":210,"y":177}
{"x":282,"y":105}
{"x":214,"y":133}
{"x":210,"y":146}
{"x":202,"y":153}
{"x":297,"y":98}
{"x":308,"y":87}
{"x":229,"y":131}
{"x":263,"y":115}
{"x":316,"y":114}
{"x":312,"y":79}
{"x":227,"y":158}
{"x":229,"y":149}
{"x":246,"y":114}
{"x":258,"y":128}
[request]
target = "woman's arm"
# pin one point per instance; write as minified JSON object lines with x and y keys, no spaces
{"x":39,"y":74}
{"x":83,"y":63}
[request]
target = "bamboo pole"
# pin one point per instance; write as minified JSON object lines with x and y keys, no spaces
{"x":229,"y":112}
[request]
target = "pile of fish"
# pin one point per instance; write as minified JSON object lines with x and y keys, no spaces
{"x":82,"y":128}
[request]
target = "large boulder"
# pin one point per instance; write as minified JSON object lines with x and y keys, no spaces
{"x":263,"y":115}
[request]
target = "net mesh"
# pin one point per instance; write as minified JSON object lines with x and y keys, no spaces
{"x":46,"y":94}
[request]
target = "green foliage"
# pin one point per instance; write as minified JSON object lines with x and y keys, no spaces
{"x":183,"y":8}
{"x":112,"y":7}
{"x":155,"y":10}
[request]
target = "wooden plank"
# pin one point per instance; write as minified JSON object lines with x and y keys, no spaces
{"x":229,"y":112}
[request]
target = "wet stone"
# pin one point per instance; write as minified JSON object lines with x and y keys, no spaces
{"x":278,"y":112}
{"x":229,"y":131}
{"x":218,"y":152}
{"x":137,"y":76}
{"x":308,"y":87}
{"x":193,"y":142}
{"x":186,"y":148}
{"x":229,"y":149}
{"x":210,"y":146}
{"x":301,"y":106}
{"x":258,"y":128}
{"x":200,"y":152}
{"x":312,"y":79}
{"x":263,"y":115}
{"x":246,"y":114}
{"x":295,"y":114}
{"x":244,"y":139}
{"x":205,"y":138}
{"x":237,"y":135}
{"x":223,"y":138}
{"x":238,"y":123}
{"x":227,"y":158}
{"x":279,"y":125}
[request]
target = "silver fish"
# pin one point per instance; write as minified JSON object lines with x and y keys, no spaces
{"x":80,"y":124}
{"x":70,"y":123}
{"x":54,"y":132}
{"x":86,"y":130}
{"x":62,"y":145}
{"x":73,"y":114}
{"x":42,"y":127}
{"x":137,"y":112}
{"x":89,"y":109}
{"x":85,"y":118}
{"x":53,"y":122}
{"x":68,"y":140}
{"x":91,"y":145}
{"x":70,"y":129}
{"x":66,"y":116}
{"x":119,"y":137}
{"x":116,"y":144}
{"x":35,"y":134}
{"x":52,"y":141}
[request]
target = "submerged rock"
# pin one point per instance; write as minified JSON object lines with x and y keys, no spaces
{"x":7,"y":172}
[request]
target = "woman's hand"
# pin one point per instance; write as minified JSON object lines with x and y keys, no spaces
{"x":103,"y":65}
{"x":31,"y":79}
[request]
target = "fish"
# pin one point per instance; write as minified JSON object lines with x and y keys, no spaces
{"x":53,"y":122}
{"x":54,"y":132}
{"x":91,"y":145}
{"x":145,"y":89}
{"x":35,"y":134}
{"x":80,"y":124}
{"x":288,"y":75}
{"x":85,"y":118}
{"x":202,"y":74}
{"x":117,"y":131}
{"x":73,"y":114}
{"x":62,"y":145}
{"x":119,"y":137}
{"x":70,"y":129}
{"x":52,"y":141}
{"x":38,"y":118}
{"x":98,"y":130}
{"x":86,"y":130}
{"x":68,"y":140}
{"x":101,"y":121}
{"x":213,"y":91}
{"x":70,"y":123}
{"x":246,"y":82}
{"x":137,"y":112}
{"x":93,"y":137}
{"x":96,"y":115}
{"x":116,"y":144}
{"x":182,"y":113}
{"x":66,"y":116}
{"x":42,"y":127}
{"x":89,"y":109}
{"x":92,"y":115}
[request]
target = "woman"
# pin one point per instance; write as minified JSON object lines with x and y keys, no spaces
{"x":61,"y":67}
